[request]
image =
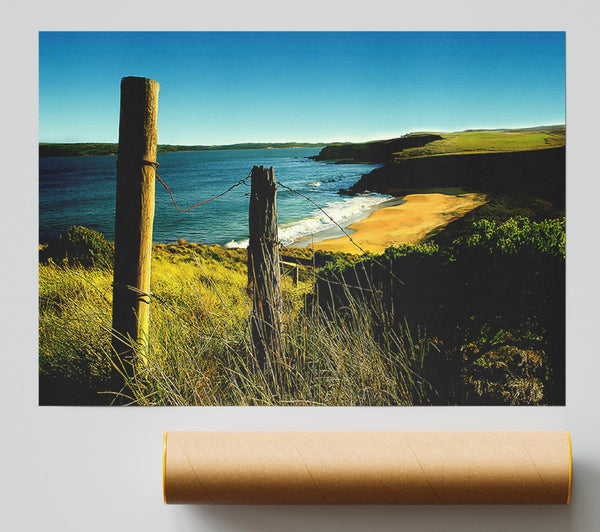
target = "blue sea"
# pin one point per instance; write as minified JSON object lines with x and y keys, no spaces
{"x":81,"y":191}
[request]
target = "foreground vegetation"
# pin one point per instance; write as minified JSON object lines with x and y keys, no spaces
{"x":201,"y":353}
{"x":489,"y":306}
{"x":475,"y":319}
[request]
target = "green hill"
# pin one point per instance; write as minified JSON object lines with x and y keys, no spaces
{"x":427,"y":144}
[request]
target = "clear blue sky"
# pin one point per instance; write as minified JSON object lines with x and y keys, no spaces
{"x":222,"y":88}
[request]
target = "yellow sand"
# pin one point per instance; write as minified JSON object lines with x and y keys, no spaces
{"x":408,"y":223}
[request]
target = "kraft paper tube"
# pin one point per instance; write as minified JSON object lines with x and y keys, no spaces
{"x":367,"y":467}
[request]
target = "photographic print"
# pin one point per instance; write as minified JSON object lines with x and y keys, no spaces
{"x":302,"y":218}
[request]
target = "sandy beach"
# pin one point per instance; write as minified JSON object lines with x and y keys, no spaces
{"x":408,"y":223}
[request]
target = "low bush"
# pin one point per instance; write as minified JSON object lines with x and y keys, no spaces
{"x":79,"y":246}
{"x":498,"y":289}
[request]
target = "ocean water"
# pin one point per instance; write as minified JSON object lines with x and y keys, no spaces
{"x":81,"y":191}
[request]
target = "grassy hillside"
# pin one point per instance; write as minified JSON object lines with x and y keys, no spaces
{"x":376,"y":151}
{"x":398,"y":333}
{"x":426,"y":144}
{"x":490,"y":141}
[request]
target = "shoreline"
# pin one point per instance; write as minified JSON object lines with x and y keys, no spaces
{"x":404,"y":219}
{"x":334,"y":232}
{"x":408,"y":222}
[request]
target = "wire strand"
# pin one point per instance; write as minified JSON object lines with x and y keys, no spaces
{"x":155,"y":165}
{"x":240,"y":182}
{"x":323,"y":211}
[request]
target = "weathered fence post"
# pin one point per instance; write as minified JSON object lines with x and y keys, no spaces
{"x":136,"y":172}
{"x":294,"y":268}
{"x":264,"y":281}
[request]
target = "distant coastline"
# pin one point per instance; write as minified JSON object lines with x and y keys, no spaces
{"x":526,"y":163}
{"x":84,"y":149}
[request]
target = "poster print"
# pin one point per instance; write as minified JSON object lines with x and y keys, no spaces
{"x":335,"y":218}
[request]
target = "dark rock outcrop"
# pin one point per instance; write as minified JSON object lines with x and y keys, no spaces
{"x":376,"y":151}
{"x":538,"y":172}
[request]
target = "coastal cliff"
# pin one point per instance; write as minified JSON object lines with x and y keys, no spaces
{"x":526,"y":160}
{"x":374,"y":152}
{"x":539,"y":172}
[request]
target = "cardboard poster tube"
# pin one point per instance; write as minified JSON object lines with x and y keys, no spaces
{"x":367,"y":468}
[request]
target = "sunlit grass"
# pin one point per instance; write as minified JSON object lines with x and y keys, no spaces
{"x":201,"y":351}
{"x":200,"y":346}
{"x":487,"y":141}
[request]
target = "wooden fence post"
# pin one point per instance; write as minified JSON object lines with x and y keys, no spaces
{"x":136,"y":172}
{"x":264,"y":281}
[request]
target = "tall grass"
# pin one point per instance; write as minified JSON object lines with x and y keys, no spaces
{"x":385,"y":330}
{"x":327,"y":360}
{"x":200,"y":345}
{"x":74,"y":310}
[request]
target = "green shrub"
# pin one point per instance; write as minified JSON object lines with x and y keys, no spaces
{"x":79,"y":246}
{"x":518,"y":235}
{"x":497,"y":289}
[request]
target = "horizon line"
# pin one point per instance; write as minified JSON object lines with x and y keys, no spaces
{"x":318,"y":143}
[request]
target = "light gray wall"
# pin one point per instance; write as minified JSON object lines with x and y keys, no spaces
{"x":99,"y":469}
